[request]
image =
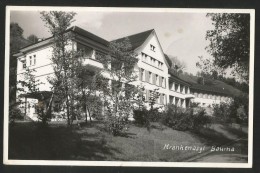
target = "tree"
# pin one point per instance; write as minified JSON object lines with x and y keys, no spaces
{"x":230,"y":42}
{"x":33,"y":38}
{"x":208,"y":69}
{"x":90,"y":83}
{"x":65,"y":61}
{"x":17,"y":41}
{"x":119,"y":67}
{"x":177,"y":65}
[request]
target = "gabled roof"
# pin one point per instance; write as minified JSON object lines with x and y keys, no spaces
{"x":168,"y":60}
{"x":89,"y":35}
{"x":74,"y":29}
{"x":138,"y":39}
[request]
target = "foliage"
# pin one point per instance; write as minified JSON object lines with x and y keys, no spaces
{"x":143,"y":116}
{"x":177,"y":65}
{"x":185,"y":119}
{"x":15,"y":113}
{"x":209,"y":72}
{"x":66,"y":61}
{"x":119,"y":94}
{"x":177,"y":118}
{"x":33,"y":38}
{"x":89,"y":84}
{"x":222,"y":112}
{"x":43,"y":116}
{"x":235,"y":111}
{"x":230,"y":41}
{"x":17,"y":41}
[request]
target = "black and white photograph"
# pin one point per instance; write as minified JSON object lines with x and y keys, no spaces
{"x":103,"y":86}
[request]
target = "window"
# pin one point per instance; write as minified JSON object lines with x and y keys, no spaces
{"x":34,"y":59}
{"x":157,"y":79}
{"x":143,"y":75}
{"x":30,"y":60}
{"x":23,"y":63}
{"x":150,"y":77}
{"x":163,"y":82}
{"x":162,"y":99}
{"x":152,"y":47}
{"x":154,"y":79}
{"x":176,"y":87}
{"x":142,"y":56}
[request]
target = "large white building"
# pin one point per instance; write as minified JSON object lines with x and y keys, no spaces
{"x":153,"y":66}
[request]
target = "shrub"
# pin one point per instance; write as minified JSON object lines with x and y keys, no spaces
{"x":200,"y":119}
{"x":141,"y":116}
{"x":177,"y":118}
{"x":116,"y":125}
{"x":185,"y":119}
{"x":15,"y":113}
{"x":43,"y":115}
{"x":222,"y":112}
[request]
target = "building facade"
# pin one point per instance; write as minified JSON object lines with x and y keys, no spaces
{"x":153,"y":68}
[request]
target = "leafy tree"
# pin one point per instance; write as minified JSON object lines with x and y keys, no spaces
{"x":65,"y":60}
{"x":230,"y":42}
{"x":119,"y":67}
{"x":208,"y":69}
{"x":17,"y":41}
{"x":177,"y":65}
{"x":89,"y":84}
{"x":33,"y":38}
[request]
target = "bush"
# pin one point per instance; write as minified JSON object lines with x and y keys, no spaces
{"x":141,"y":116}
{"x":116,"y":125}
{"x":185,"y":119}
{"x":222,"y":112}
{"x":200,"y":119}
{"x":177,"y":118}
{"x":43,"y":115}
{"x":15,"y":113}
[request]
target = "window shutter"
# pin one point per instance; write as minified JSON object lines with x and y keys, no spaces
{"x":160,"y":81}
{"x":146,"y":98}
{"x":140,"y":74}
{"x":147,"y":76}
{"x":161,"y":98}
{"x":154,"y":80}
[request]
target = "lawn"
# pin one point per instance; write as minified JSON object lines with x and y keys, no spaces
{"x":29,"y":140}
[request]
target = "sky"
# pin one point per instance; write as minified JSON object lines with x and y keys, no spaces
{"x":180,"y":34}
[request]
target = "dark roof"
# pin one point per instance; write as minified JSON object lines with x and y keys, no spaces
{"x":175,"y":77}
{"x":211,"y":89}
{"x":89,"y":35}
{"x":41,"y":95}
{"x":138,"y":39}
{"x":168,"y":60}
{"x":79,"y":31}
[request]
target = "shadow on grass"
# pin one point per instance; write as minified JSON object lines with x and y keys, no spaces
{"x":34,"y":142}
{"x":237,"y":132}
{"x":210,"y":137}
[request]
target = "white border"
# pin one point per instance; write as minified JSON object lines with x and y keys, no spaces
{"x":130,"y":163}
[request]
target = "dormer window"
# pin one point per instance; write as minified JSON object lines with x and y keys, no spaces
{"x":152,"y":47}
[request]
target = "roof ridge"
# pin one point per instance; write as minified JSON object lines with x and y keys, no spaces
{"x":150,"y":30}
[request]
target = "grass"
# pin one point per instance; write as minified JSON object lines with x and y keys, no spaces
{"x":28,"y":140}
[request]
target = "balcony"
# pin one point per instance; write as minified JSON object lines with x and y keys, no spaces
{"x":92,"y":64}
{"x":189,"y":96}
